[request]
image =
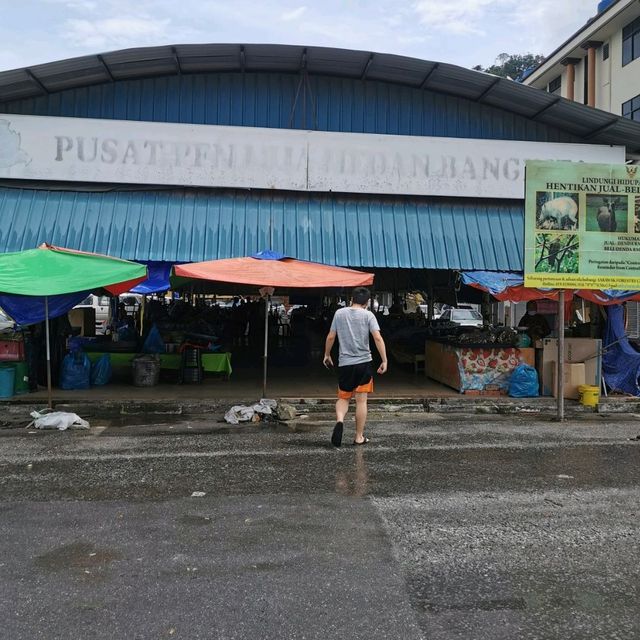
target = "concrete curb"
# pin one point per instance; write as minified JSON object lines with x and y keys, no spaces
{"x":16,"y":412}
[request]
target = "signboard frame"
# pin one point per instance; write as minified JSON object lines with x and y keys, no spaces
{"x":582,"y":226}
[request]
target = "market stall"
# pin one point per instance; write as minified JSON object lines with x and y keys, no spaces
{"x":267,"y":270}
{"x":474,"y":369}
{"x":44,"y":283}
{"x":211,"y":362}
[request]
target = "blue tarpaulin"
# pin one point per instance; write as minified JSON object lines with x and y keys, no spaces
{"x":26,"y":310}
{"x":157,"y":280}
{"x":497,"y":283}
{"x":494,"y":282}
{"x":620,"y":362}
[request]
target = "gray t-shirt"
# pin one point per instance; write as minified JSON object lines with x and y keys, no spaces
{"x":353,"y":326}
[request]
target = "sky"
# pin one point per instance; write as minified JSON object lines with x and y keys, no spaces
{"x":464,"y":32}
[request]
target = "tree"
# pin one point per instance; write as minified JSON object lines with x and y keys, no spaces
{"x":512,"y":66}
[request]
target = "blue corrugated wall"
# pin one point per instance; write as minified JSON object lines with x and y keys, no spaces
{"x":266,"y":100}
{"x":184,"y":225}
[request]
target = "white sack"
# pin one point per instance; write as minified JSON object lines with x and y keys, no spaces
{"x":60,"y":420}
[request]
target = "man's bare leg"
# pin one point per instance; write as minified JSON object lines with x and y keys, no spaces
{"x":361,"y":416}
{"x":342,"y":407}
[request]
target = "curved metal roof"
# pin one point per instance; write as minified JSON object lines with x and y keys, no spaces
{"x":592,"y":125}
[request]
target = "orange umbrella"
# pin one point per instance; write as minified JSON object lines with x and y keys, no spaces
{"x":272,"y":269}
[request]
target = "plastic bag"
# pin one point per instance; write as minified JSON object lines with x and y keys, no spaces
{"x":153,"y":342}
{"x":238,"y":414}
{"x":524,"y":382}
{"x":101,"y":371}
{"x":60,"y":420}
{"x":75,"y":371}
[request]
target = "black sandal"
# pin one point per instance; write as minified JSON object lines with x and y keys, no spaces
{"x":336,"y":436}
{"x":363,"y":442}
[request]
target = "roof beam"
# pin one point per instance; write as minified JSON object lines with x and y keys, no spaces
{"x":176,"y":60}
{"x":602,"y":129}
{"x":106,"y":68}
{"x":36,"y":81}
{"x":488,"y":89}
{"x":363,"y":75}
{"x":537,"y":114}
{"x":428,"y":76}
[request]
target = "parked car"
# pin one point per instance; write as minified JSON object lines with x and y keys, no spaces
{"x":464,"y":316}
{"x":101,"y":306}
{"x":425,"y":310}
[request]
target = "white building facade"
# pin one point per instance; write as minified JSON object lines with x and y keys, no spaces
{"x":599,"y":65}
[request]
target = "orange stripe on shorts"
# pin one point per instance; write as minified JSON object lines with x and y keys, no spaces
{"x":363,"y":388}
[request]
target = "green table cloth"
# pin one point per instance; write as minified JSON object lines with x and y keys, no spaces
{"x":211,"y":362}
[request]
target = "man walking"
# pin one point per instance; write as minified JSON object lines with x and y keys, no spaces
{"x":352,"y":325}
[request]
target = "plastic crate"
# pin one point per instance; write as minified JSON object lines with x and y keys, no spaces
{"x":11,"y":350}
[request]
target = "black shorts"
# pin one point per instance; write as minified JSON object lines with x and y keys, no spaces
{"x":352,"y":376}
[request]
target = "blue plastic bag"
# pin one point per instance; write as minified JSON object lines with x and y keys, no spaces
{"x":75,"y":371}
{"x":153,"y":342}
{"x":524,"y":382}
{"x":101,"y":371}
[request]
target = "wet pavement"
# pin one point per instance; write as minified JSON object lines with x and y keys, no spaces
{"x":445,"y":527}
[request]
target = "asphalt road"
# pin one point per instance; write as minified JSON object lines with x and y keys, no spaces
{"x":474,"y":527}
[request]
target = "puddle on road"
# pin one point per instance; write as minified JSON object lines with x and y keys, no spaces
{"x":76,"y":555}
{"x":193,"y":520}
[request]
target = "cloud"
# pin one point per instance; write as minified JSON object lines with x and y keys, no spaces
{"x":544,"y":34}
{"x":463,"y":17}
{"x":76,"y":5}
{"x":294,"y":14}
{"x":119,"y":31}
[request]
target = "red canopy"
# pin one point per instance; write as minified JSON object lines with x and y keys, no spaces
{"x":278,"y":272}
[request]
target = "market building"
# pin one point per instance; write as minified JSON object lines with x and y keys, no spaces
{"x":410,"y":169}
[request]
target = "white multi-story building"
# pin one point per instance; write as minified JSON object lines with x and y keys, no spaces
{"x":599,"y":65}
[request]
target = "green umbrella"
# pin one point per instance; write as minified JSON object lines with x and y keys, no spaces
{"x":52,"y":271}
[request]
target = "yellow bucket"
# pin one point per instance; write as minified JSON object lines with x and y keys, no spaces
{"x":589,"y":395}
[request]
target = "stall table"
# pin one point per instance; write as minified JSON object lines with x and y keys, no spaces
{"x":211,"y":362}
{"x":474,"y":369}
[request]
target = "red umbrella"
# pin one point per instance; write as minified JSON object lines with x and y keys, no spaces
{"x":271,"y":269}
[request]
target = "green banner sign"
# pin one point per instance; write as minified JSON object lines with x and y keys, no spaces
{"x":582,"y":226}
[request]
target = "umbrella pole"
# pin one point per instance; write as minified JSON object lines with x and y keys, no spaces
{"x":560,"y":363}
{"x":267,"y":302}
{"x":46,"y":329}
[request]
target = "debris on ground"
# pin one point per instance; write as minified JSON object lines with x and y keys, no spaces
{"x":60,"y":420}
{"x":264,"y":410}
{"x":286,"y":411}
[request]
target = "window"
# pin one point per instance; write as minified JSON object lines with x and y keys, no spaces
{"x":555,"y":85}
{"x":605,"y":51}
{"x":465,"y":314}
{"x":633,"y":319}
{"x":631,"y":42}
{"x":631,"y":109}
